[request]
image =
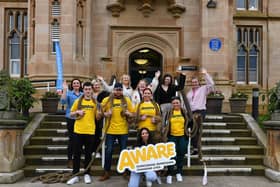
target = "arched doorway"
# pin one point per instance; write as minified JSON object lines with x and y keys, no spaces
{"x":143,"y":63}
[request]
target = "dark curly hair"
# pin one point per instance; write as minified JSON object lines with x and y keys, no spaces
{"x":139,"y":138}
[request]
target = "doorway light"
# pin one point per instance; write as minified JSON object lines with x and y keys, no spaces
{"x":141,"y":61}
{"x":142,"y":72}
{"x":144,"y":51}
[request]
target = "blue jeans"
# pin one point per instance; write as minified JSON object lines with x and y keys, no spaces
{"x":181,"y":144}
{"x":134,"y":179}
{"x":110,"y":139}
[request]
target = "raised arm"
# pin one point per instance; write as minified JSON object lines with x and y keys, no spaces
{"x":155,"y":81}
{"x":105,"y":85}
{"x":64,"y":93}
{"x":208,"y":79}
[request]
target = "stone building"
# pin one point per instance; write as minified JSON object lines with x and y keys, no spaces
{"x":235,"y":40}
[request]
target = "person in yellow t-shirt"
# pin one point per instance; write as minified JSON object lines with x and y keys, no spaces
{"x":85,"y":111}
{"x":176,"y":131}
{"x":148,"y":113}
{"x":116,"y":109}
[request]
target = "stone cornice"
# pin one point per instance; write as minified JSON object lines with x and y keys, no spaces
{"x":147,"y":7}
{"x":254,"y":16}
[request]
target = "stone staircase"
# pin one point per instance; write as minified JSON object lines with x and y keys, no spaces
{"x":227,"y":146}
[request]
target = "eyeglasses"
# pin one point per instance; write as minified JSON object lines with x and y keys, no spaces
{"x":118,"y":89}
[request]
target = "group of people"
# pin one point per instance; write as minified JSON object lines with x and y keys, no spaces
{"x":153,"y":108}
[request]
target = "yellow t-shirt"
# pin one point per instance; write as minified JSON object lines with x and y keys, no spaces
{"x":147,"y":108}
{"x":177,"y":123}
{"x":118,"y":124}
{"x":85,"y":124}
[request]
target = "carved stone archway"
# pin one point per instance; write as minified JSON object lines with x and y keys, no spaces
{"x":163,"y":40}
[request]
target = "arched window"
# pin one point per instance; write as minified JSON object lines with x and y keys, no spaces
{"x":248,"y":55}
{"x":16,"y":42}
{"x":241,"y":64}
{"x":253,"y":65}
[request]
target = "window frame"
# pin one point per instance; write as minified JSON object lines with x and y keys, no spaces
{"x":247,"y":8}
{"x":10,"y":30}
{"x":243,"y":40}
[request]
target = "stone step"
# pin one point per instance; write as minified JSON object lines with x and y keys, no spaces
{"x":223,"y":118}
{"x":226,"y":133}
{"x":231,"y":150}
{"x":63,"y":132}
{"x":45,"y":140}
{"x":224,"y":125}
{"x":195,"y":170}
{"x":55,"y":117}
{"x":229,"y":141}
{"x":53,"y":160}
{"x":206,"y":149}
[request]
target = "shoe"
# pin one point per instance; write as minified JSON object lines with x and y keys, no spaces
{"x":70,"y":164}
{"x":106,"y":176}
{"x":159,"y":180}
{"x":169,"y":179}
{"x":179,"y":177}
{"x":87,"y":179}
{"x":98,"y":155}
{"x":73,"y":180}
{"x":149,"y":183}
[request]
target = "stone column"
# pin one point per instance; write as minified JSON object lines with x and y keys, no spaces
{"x":272,"y":156}
{"x":11,"y":154}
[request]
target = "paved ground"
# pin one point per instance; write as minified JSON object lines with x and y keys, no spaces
{"x":190,"y":181}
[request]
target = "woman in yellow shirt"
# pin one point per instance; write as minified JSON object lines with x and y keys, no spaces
{"x":176,"y":130}
{"x":148,"y":114}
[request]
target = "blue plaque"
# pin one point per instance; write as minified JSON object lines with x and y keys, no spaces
{"x":215,"y":44}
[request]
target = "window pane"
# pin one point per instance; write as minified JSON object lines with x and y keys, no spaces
{"x":14,"y":47}
{"x":253,"y":65}
{"x":19,"y":22}
{"x":241,"y":65}
{"x":239,"y":35}
{"x":251,"y":36}
{"x":25,"y":23}
{"x":11,"y":22}
{"x":240,"y":4}
{"x":253,"y":5}
{"x":15,"y":67}
{"x":25,"y":56}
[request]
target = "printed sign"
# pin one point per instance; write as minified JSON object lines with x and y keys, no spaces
{"x":147,"y":158}
{"x":215,"y":44}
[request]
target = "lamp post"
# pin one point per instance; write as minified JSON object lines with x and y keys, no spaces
{"x":255,"y":103}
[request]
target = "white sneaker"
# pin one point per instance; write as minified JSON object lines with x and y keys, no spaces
{"x":169,"y":179}
{"x":159,"y":180}
{"x":98,"y":155}
{"x":73,"y":180}
{"x":149,"y":183}
{"x":87,"y":179}
{"x":179,"y":177}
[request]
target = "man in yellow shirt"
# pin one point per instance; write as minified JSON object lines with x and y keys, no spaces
{"x":85,"y":111}
{"x":116,"y":109}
